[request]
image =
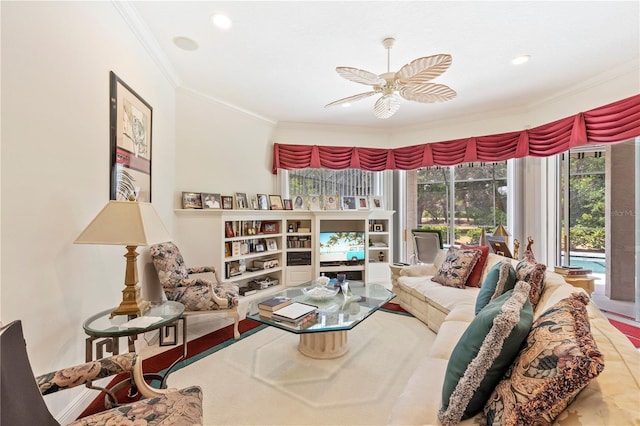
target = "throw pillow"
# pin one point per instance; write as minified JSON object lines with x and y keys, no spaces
{"x":475,"y":277}
{"x":559,"y":359}
{"x":500,"y":278}
{"x":484,"y":352}
{"x":532,"y":272}
{"x":456,"y":267}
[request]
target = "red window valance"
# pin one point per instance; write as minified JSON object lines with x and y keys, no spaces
{"x":615,"y":122}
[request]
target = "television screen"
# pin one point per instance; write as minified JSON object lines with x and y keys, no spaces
{"x":341,"y":246}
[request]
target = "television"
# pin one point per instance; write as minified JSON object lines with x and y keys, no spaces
{"x":336,"y":247}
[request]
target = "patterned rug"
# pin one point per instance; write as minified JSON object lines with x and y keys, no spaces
{"x":632,"y":332}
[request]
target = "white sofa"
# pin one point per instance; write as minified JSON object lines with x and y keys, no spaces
{"x":612,"y":398}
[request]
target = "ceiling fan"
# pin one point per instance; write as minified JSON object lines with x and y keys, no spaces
{"x":411,"y":82}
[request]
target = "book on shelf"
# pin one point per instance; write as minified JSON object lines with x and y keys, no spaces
{"x":246,"y":291}
{"x":571,"y":270}
{"x":295,"y":312}
{"x":274,"y":303}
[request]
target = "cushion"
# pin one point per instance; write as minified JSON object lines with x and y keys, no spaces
{"x":483,"y":354}
{"x":559,"y":359}
{"x":532,"y":272}
{"x":500,"y":278}
{"x":456,"y":267}
{"x":475,"y":279}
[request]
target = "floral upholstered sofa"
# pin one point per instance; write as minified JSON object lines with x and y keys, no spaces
{"x":570,"y":366}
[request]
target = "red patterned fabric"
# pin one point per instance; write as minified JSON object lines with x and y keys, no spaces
{"x":476,"y":273}
{"x":611,"y":123}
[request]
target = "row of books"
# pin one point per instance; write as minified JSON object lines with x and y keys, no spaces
{"x":571,"y":270}
{"x":285,"y":310}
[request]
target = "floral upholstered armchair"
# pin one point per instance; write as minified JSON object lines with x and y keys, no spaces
{"x":198,"y":295}
{"x":23,"y":403}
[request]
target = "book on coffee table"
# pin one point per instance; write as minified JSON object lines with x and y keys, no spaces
{"x":294,"y":312}
{"x":274,"y":303}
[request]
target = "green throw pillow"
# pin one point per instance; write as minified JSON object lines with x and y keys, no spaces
{"x":484,"y":353}
{"x":500,"y":278}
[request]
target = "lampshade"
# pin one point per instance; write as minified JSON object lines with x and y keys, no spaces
{"x":125,"y":223}
{"x":131,"y":224}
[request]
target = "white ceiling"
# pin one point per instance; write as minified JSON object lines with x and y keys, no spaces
{"x":278,"y":59}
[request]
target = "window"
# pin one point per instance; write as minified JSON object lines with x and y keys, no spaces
{"x":465,"y":198}
{"x":349,"y":182}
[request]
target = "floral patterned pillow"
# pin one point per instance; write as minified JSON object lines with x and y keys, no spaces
{"x":457,"y":267}
{"x":559,"y":359}
{"x":530,"y":271}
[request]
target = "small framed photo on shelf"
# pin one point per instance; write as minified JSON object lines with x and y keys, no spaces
{"x":331,"y":202}
{"x":299,"y":202}
{"x":259,"y":247}
{"x":270,"y":228}
{"x":254,"y":203}
{"x":191,"y":200}
{"x":362,"y":203}
{"x":227,"y":202}
{"x":288,"y":205}
{"x":349,"y":203}
{"x":211,"y":201}
{"x":263,"y":202}
{"x":378,"y":227}
{"x":314,"y":202}
{"x":241,"y":201}
{"x":271,"y":244}
{"x":376,"y":202}
{"x":275,"y":201}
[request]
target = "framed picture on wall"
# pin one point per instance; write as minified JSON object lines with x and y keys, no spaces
{"x":191,"y":200}
{"x":276,"y":202}
{"x":241,"y":200}
{"x":211,"y":201}
{"x":227,"y":202}
{"x":130,"y":119}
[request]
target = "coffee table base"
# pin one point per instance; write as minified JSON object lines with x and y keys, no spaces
{"x":327,"y":345}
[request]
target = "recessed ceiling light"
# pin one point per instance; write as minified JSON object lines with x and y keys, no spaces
{"x":185,"y":43}
{"x":221,"y":21}
{"x":519,"y":60}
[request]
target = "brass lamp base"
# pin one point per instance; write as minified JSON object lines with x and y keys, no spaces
{"x":132,"y":304}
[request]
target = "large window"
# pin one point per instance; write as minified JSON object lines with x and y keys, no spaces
{"x":464,"y":199}
{"x":350,"y":182}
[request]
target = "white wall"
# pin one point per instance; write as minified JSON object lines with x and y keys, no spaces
{"x":56,"y":58}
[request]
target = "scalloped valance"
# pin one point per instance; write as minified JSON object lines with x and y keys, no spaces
{"x":611,"y":123}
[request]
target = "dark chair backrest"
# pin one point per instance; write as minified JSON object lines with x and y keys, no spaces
{"x":20,"y":399}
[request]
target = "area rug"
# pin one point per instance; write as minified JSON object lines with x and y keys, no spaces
{"x":632,"y":332}
{"x":263,"y":379}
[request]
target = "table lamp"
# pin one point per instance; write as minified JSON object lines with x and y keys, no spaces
{"x":131,"y":224}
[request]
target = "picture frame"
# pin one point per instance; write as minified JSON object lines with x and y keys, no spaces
{"x":349,"y":203}
{"x":259,"y":247}
{"x":130,"y":126}
{"x":288,"y":205}
{"x":272,"y":244}
{"x":363,"y":203}
{"x":241,"y":201}
{"x":227,"y":202}
{"x":331,"y":202}
{"x":270,"y":227}
{"x":275,"y":201}
{"x":499,"y":246}
{"x":376,"y":203}
{"x":211,"y":201}
{"x":254,"y":203}
{"x":263,"y":202}
{"x":191,"y":200}
{"x":378,"y":227}
{"x":314,"y":202}
{"x":299,"y":202}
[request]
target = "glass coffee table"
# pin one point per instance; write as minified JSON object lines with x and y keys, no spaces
{"x":325,"y":336}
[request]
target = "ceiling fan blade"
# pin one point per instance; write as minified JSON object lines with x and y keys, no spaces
{"x":386,"y":106}
{"x":360,"y":76}
{"x":427,"y":93}
{"x":350,"y":99}
{"x":424,"y":69}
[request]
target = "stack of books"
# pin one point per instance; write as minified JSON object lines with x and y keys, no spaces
{"x":266,"y":307}
{"x":295,"y":313}
{"x":572,"y":271}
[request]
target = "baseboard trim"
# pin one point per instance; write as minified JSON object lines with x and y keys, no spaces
{"x":71,"y":412}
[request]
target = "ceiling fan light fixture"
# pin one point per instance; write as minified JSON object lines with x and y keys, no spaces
{"x":411,"y":82}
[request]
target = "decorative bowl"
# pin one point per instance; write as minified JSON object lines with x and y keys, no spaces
{"x":322,"y":280}
{"x":320,"y":293}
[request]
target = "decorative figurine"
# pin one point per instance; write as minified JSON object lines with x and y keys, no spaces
{"x":381,"y":257}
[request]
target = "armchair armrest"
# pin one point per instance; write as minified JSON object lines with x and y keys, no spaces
{"x":201,"y":269}
{"x":84,"y":373}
